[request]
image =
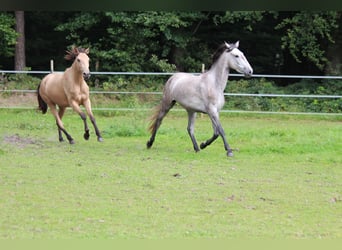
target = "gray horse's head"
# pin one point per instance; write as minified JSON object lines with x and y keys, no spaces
{"x":237,"y":60}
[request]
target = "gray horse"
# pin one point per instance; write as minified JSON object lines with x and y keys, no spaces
{"x":202,"y":93}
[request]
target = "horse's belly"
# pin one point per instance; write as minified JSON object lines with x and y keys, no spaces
{"x":58,"y":97}
{"x":195,"y":104}
{"x":52,"y":91}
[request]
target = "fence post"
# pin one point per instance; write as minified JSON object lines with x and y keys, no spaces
{"x":51,"y":66}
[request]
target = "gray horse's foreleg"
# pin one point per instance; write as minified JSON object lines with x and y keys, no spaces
{"x":218,"y":130}
{"x":191,"y":128}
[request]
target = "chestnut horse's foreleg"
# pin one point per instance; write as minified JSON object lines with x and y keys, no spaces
{"x":77,"y":109}
{"x":87,"y":106}
{"x":59,"y":123}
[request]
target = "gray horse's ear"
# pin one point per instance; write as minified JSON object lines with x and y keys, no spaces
{"x":227,"y":45}
{"x":237,"y":44}
{"x":86,"y":51}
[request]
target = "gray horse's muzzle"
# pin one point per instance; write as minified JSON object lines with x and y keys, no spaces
{"x":248,"y":73}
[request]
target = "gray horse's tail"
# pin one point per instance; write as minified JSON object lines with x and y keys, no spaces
{"x":42,"y":106}
{"x":153,"y":119}
{"x":160,"y":111}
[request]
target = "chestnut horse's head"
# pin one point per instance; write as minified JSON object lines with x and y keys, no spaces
{"x":81,"y":60}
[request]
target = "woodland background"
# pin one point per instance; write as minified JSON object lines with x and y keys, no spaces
{"x":275,"y":42}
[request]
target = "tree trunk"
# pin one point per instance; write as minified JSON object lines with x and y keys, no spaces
{"x":19,"y":58}
{"x":334,"y":52}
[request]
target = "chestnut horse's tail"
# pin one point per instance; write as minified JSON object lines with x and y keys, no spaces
{"x":42,"y":106}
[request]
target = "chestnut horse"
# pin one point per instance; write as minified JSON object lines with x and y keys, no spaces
{"x":68,"y":89}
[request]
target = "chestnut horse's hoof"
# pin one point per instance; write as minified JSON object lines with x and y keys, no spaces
{"x":86,"y":136}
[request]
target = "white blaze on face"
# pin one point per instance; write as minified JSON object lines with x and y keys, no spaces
{"x":240,"y":63}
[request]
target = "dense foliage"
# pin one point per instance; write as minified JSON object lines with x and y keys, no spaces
{"x":7,"y":35}
{"x":297,"y":42}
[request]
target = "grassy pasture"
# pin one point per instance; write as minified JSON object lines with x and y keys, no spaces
{"x":284,"y":181}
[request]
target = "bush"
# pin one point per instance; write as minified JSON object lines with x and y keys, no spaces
{"x":20,"y":81}
{"x":288,"y":104}
{"x":148,"y":83}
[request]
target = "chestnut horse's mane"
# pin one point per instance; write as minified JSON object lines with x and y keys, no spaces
{"x":73,"y":53}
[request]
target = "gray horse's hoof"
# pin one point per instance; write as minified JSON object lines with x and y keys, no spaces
{"x":99,"y":139}
{"x":230,"y":154}
{"x":72,"y":142}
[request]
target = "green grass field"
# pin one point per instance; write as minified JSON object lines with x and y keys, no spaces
{"x":284,"y":181}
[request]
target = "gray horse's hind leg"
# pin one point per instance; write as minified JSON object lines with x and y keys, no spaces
{"x":218,"y":130}
{"x":190,"y":128}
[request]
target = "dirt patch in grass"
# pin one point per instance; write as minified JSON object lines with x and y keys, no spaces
{"x":18,"y":100}
{"x":19,"y":141}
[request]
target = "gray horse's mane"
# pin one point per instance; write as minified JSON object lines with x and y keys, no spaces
{"x":222,"y":48}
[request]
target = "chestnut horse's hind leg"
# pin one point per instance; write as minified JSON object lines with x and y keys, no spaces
{"x":60,"y":124}
{"x":60,"y":113}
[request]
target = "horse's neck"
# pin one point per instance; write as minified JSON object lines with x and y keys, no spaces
{"x":220,"y":72}
{"x":75,"y":75}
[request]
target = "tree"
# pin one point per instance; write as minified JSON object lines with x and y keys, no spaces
{"x":308,"y":34}
{"x":19,"y":58}
{"x":8,"y":35}
{"x":134,"y":41}
{"x":306,"y":42}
